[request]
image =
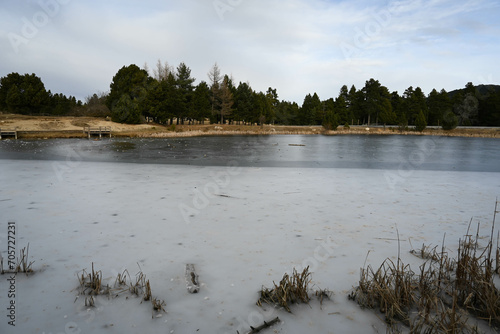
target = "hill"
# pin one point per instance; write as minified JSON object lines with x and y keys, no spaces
{"x":482,"y":91}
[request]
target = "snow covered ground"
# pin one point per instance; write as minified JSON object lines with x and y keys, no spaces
{"x":242,"y":227}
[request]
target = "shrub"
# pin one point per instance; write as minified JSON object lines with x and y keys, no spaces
{"x":420,"y":122}
{"x":450,"y":121}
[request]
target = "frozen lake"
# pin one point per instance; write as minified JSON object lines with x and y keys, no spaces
{"x":244,"y":210}
{"x":364,"y":152}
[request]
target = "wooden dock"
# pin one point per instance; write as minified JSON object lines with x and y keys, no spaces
{"x":97,"y":131}
{"x":8,"y":133}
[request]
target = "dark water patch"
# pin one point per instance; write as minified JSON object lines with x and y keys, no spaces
{"x":361,"y":152}
{"x":122,"y":146}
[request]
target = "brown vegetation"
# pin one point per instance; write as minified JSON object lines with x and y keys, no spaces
{"x":72,"y":127}
{"x":443,"y":296}
{"x":91,"y":285}
{"x":292,"y":289}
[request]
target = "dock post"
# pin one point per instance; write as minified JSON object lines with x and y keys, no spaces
{"x":15,"y":134}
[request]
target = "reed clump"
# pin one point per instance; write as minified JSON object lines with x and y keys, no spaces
{"x":23,"y":266}
{"x":292,"y":289}
{"x":91,"y":284}
{"x":474,"y":280}
{"x":445,"y":296}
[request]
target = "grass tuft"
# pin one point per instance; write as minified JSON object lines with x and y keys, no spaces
{"x":91,"y":283}
{"x":291,"y":289}
{"x":22,"y":265}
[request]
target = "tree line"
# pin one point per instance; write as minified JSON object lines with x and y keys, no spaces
{"x":26,"y":94}
{"x":169,"y":95}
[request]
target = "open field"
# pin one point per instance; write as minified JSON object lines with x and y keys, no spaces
{"x":72,"y":127}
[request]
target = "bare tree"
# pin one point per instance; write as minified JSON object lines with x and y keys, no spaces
{"x":162,"y":71}
{"x":145,"y":67}
{"x":95,"y":105}
{"x":214,"y":75}
{"x":468,"y":109}
{"x":215,"y":79}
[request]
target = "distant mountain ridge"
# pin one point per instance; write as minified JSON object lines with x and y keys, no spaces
{"x":482,"y":91}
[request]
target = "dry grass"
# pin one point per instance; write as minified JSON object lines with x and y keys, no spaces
{"x":291,"y":289}
{"x":23,"y":266}
{"x":468,"y":132}
{"x":121,"y":279}
{"x":474,"y":283}
{"x":91,"y":284}
{"x":70,"y":127}
{"x":147,"y":292}
{"x":323,"y":294}
{"x":158,"y":305}
{"x":140,"y":282}
{"x":445,"y":294}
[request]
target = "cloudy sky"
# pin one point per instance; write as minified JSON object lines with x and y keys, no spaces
{"x":295,"y":46}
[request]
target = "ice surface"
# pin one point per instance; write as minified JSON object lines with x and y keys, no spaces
{"x":242,"y":228}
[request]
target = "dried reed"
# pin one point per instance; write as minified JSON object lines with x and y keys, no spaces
{"x":22,"y":265}
{"x":140,"y":282}
{"x":91,"y":283}
{"x":443,"y":296}
{"x":147,"y":292}
{"x":158,"y":305}
{"x":291,"y":289}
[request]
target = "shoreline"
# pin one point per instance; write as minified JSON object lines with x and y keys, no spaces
{"x":45,"y":127}
{"x":234,"y":130}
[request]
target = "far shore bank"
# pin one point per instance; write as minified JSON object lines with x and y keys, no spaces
{"x":40,"y":127}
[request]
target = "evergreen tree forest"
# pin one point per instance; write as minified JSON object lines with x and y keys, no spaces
{"x":170,"y":95}
{"x":26,"y":94}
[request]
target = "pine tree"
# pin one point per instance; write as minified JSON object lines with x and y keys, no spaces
{"x":185,"y":93}
{"x":201,"y":102}
{"x":226,"y":98}
{"x":127,"y":91}
{"x":420,"y":122}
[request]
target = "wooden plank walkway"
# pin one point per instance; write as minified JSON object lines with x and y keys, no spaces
{"x":97,"y":131}
{"x":8,"y":133}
